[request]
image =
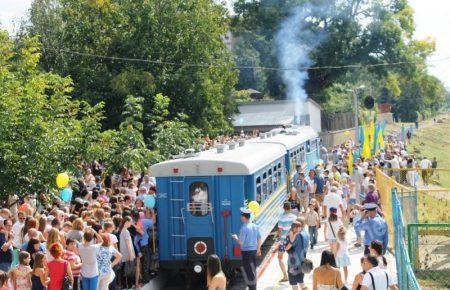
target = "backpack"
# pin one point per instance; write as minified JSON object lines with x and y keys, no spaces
{"x":320,"y":184}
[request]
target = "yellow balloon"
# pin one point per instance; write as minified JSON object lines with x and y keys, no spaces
{"x":62,"y":180}
{"x":254,"y":207}
{"x":347,"y":132}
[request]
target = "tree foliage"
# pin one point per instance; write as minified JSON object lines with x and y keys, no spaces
{"x":178,"y":33}
{"x":360,"y":32}
{"x":43,"y":131}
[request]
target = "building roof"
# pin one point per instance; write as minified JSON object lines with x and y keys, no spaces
{"x":267,"y":113}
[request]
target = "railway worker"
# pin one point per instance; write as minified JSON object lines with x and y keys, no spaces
{"x":284,"y":225}
{"x":374,"y":227}
{"x":250,"y":242}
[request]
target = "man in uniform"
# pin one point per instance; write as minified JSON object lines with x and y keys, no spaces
{"x":250,"y":242}
{"x":374,"y":227}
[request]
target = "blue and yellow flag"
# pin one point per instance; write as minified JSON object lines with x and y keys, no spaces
{"x":366,"y":146}
{"x":350,"y":161}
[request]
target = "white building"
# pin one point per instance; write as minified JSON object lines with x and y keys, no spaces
{"x":266,"y":115}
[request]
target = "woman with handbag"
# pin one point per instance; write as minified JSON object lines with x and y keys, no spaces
{"x":331,"y":229}
{"x":297,"y":244}
{"x":327,"y":276}
{"x":128,"y":254}
{"x":59,"y":270}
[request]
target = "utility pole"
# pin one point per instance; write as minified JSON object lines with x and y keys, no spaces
{"x":356,"y":108}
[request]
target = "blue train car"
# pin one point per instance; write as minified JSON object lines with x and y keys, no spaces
{"x":199,"y":195}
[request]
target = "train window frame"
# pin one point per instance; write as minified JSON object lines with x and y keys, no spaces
{"x":203,"y":207}
{"x":258,"y":188}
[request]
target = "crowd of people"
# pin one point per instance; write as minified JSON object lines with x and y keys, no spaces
{"x":335,"y":197}
{"x":105,"y":238}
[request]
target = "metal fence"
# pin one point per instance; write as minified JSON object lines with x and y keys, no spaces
{"x":419,"y":230}
{"x":405,"y":274}
{"x":429,"y":250}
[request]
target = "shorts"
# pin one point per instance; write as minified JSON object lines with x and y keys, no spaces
{"x":352,"y":201}
{"x":281,"y":248}
{"x":295,"y":276}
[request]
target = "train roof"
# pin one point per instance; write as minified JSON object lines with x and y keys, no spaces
{"x":253,"y":156}
{"x":291,"y":137}
{"x":243,"y":160}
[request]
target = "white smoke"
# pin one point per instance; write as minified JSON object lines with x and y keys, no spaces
{"x":294,"y":42}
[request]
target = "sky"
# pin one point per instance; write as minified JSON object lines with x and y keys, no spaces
{"x":431,"y":17}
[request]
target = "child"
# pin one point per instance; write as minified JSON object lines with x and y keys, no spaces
{"x":342,"y":256}
{"x":376,"y":249}
{"x":74,"y":260}
{"x":40,"y":278}
{"x":356,"y":215}
{"x":21,"y":275}
{"x":313,"y":222}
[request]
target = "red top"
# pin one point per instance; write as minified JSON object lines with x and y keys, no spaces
{"x":57,"y":271}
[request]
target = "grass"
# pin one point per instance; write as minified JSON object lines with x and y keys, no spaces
{"x":434,"y":141}
{"x":431,"y":280}
{"x":432,"y":209}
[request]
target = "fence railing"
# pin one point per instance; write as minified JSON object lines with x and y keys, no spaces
{"x":405,"y":274}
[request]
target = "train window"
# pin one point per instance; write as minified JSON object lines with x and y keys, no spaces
{"x":198,"y":192}
{"x":264,"y":188}
{"x":258,"y":189}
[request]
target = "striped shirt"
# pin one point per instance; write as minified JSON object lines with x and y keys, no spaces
{"x":285,"y":222}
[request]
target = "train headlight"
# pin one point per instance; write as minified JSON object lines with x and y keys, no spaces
{"x":198,"y":269}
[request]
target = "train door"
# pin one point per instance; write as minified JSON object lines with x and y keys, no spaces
{"x":199,"y":217}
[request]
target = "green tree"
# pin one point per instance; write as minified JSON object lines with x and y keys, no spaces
{"x":355,"y":32}
{"x":172,"y":34}
{"x":128,"y":146}
{"x":43,"y":131}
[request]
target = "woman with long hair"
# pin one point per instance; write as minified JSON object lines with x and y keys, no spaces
{"x":331,"y":229}
{"x":127,"y":251}
{"x":52,"y":238}
{"x":39,"y":277}
{"x":215,"y":278}
{"x":327,"y":276}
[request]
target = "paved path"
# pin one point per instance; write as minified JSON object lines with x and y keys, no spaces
{"x":270,"y":273}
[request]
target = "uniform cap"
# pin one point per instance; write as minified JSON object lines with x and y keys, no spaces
{"x":370,"y":206}
{"x":245,"y":210}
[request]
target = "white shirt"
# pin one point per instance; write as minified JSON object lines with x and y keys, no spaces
{"x":379,"y":278}
{"x":425,"y":164}
{"x":333,"y":199}
{"x":16,"y":229}
{"x":113,"y":239}
{"x":88,"y":255}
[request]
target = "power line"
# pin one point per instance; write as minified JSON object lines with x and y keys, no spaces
{"x":206,"y":65}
